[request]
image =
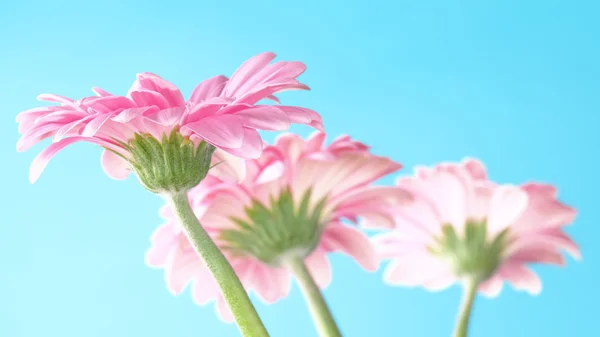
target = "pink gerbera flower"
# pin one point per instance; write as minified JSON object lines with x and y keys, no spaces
{"x":461,"y":227}
{"x":284,"y":218}
{"x":154,"y":116}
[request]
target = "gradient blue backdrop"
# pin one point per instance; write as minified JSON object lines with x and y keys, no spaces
{"x":421,"y":81}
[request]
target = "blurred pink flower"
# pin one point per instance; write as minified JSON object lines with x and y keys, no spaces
{"x":461,"y":226}
{"x":221,"y":111}
{"x":340,"y":174}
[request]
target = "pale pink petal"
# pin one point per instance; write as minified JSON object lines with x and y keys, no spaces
{"x":180,"y":268}
{"x":350,"y":241}
{"x":271,"y":284}
{"x":416,"y":270}
{"x":227,"y":166}
{"x":223,"y":310}
{"x":115,"y":166}
{"x":507,"y":204}
{"x":222,"y":131}
{"x":319,"y":267}
{"x":205,"y":288}
{"x":273,"y":171}
{"x":492,"y":287}
{"x":389,"y":245}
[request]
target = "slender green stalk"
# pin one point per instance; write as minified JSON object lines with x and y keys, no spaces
{"x":318,"y":307}
{"x":239,"y":303}
{"x":462,"y":323}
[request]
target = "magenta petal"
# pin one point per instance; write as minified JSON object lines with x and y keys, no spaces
{"x":222,"y":131}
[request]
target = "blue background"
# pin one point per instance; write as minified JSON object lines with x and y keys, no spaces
{"x":421,"y":81}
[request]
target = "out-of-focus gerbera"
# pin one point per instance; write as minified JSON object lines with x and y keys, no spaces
{"x":463,"y":228}
{"x":283,"y":219}
{"x":154,"y":118}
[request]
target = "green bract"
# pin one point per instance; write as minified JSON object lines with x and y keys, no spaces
{"x":474,"y":255}
{"x":278,"y":231}
{"x":173,"y":165}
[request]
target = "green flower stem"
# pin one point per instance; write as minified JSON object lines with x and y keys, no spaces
{"x":318,"y":308}
{"x":462,"y":324}
{"x":239,"y":303}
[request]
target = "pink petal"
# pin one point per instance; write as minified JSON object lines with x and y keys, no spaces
{"x":115,"y":166}
{"x":521,"y":278}
{"x":222,"y":131}
{"x":39,"y":163}
{"x":537,"y":253}
{"x":101,"y":92}
{"x":266,"y":90}
{"x":319,"y":267}
{"x":290,"y":144}
{"x":147,"y":98}
{"x":246,"y":71}
{"x":128,"y":115}
{"x":264,"y":118}
{"x":166,"y":117}
{"x":251,"y":148}
{"x":55,"y":99}
{"x":315,"y":141}
{"x":166,"y":89}
{"x":208,"y":89}
{"x":350,"y":241}
{"x":94,"y":125}
{"x":475,"y":168}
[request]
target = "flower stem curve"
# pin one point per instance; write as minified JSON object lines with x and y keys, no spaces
{"x":319,"y":310}
{"x":462,"y":323}
{"x":246,"y":317}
